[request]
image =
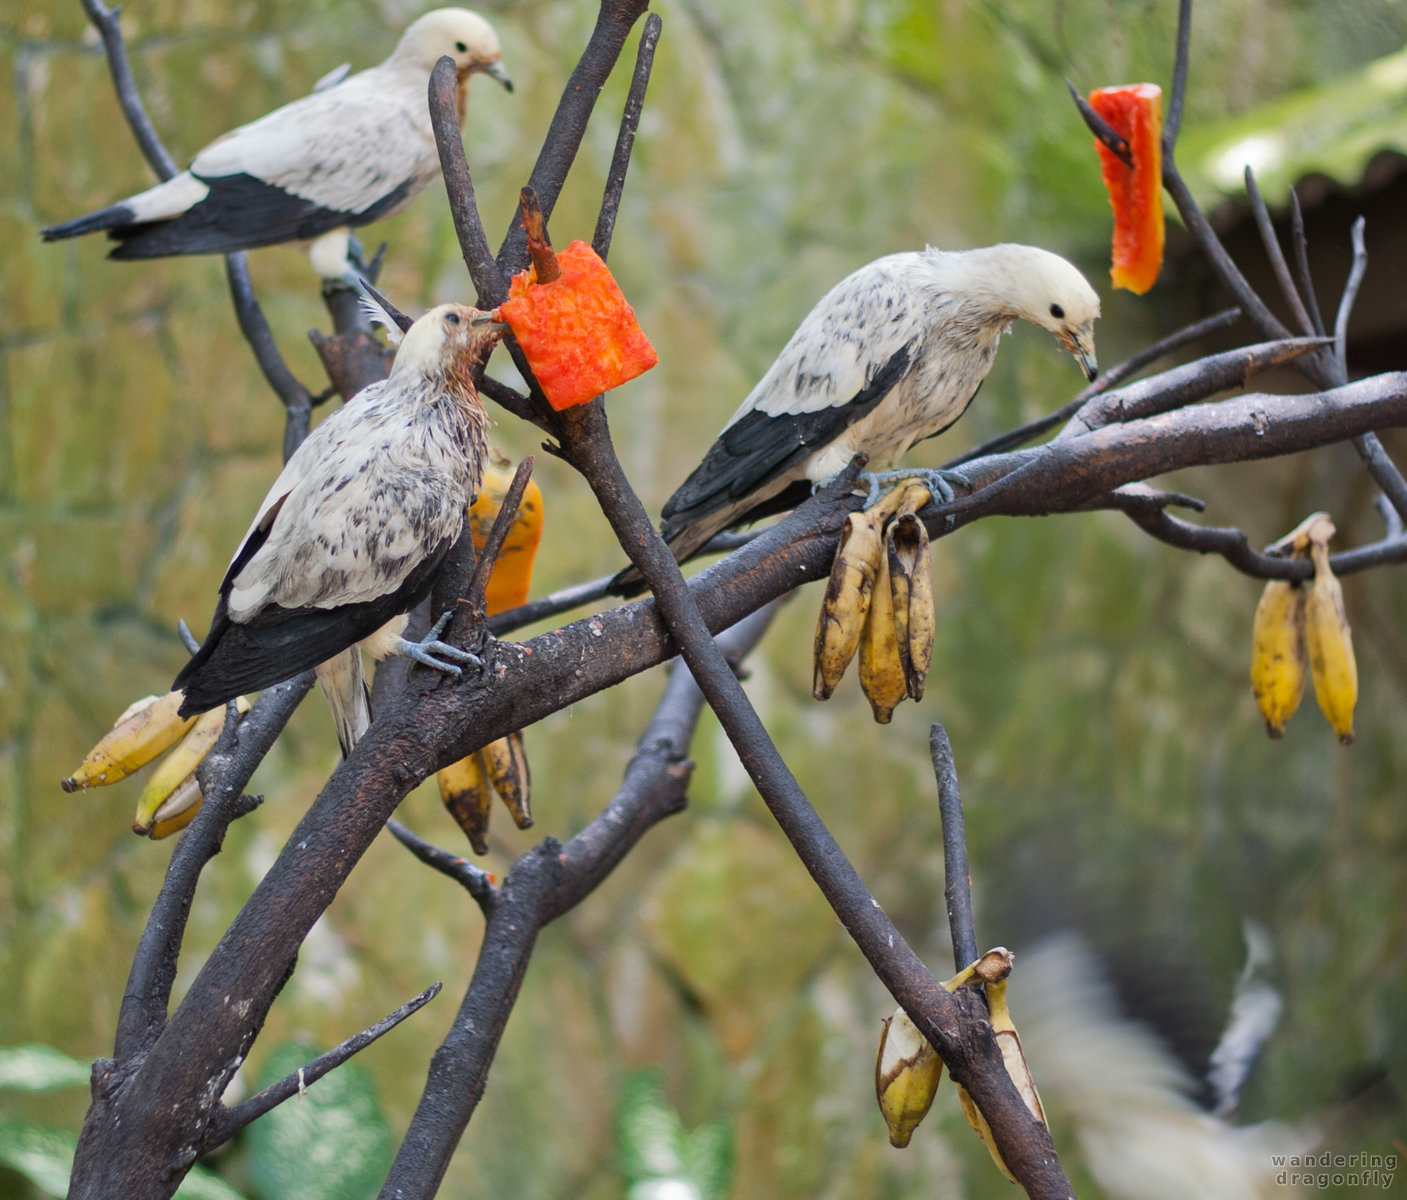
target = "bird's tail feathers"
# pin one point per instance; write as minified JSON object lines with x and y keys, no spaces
{"x":105,"y":218}
{"x":348,"y":696}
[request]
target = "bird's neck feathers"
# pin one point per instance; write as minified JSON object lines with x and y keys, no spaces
{"x":1000,"y":283}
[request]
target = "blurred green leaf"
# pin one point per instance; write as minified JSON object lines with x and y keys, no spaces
{"x":658,"y":1158}
{"x":43,"y":1156}
{"x":40,"y":1068}
{"x":332,"y":1141}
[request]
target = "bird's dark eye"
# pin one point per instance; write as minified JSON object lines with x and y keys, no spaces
{"x":452,"y":318}
{"x":461,"y":47}
{"x":1057,"y":312}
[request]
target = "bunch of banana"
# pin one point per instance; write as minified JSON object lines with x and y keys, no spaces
{"x":148,"y":727}
{"x":1013,"y":1058}
{"x":467,"y":788}
{"x":1301,"y":629}
{"x":908,"y":1069}
{"x":1330,"y":643}
{"x":879,"y":601}
{"x":172,"y":795}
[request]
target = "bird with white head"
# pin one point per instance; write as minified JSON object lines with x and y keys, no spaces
{"x":353,"y":531}
{"x":893,"y":354}
{"x":348,"y":154}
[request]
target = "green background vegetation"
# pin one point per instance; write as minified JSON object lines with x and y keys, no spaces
{"x":1093,"y":682}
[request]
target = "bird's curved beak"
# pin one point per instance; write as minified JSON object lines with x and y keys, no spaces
{"x":488,"y":323}
{"x":496,"y":70}
{"x":1080,"y":343}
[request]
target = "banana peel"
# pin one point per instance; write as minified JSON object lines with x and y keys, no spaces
{"x":144,"y":730}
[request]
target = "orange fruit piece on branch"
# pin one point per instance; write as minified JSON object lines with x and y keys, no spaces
{"x":578,"y":331}
{"x":1135,"y":112}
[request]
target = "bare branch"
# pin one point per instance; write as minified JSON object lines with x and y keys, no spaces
{"x":1276,"y":255}
{"x":459,"y":184}
{"x":957,"y":887}
{"x":625,"y":139}
{"x":1305,"y":279}
{"x":493,"y":544}
{"x":1111,"y":138}
{"x":106,"y":21}
{"x":1107,"y":380}
{"x":231,"y":1120}
{"x":1350,"y":292}
{"x":472,"y":878}
{"x":297,"y":400}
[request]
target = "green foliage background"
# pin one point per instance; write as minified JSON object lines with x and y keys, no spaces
{"x":1093,"y":683}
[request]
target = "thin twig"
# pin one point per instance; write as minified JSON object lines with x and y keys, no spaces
{"x":1279,"y":267}
{"x":957,"y":885}
{"x":471,"y":877}
{"x":108,"y":24}
{"x":1107,"y":379}
{"x":231,"y":1120}
{"x":1173,"y":123}
{"x":1111,"y":138}
{"x":1350,"y":292}
{"x":493,"y":544}
{"x":459,"y":184}
{"x":625,"y":139}
{"x":1305,"y":279}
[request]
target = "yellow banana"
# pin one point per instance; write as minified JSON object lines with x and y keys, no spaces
{"x":1279,"y":657}
{"x":1013,"y":1058}
{"x":907,"y":1072}
{"x":847,"y":600}
{"x":177,"y":811}
{"x":465,"y":791}
{"x":1330,"y":645}
{"x":881,"y":671}
{"x":142,"y":732}
{"x":180,"y":764}
{"x":911,"y":596}
{"x":506,"y":762}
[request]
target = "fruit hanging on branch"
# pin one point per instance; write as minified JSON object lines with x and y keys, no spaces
{"x":575,"y":326}
{"x":1135,"y":113}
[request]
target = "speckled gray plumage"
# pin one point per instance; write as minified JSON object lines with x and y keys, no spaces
{"x":353,"y":529}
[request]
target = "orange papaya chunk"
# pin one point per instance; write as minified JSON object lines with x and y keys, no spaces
{"x":578,"y":332}
{"x":513,"y":572}
{"x":1135,"y":111}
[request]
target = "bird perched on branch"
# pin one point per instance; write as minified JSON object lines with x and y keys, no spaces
{"x":891,"y":355}
{"x":350,"y":153}
{"x":351,"y":534}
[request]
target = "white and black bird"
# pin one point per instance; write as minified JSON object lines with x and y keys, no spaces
{"x":354,"y":529}
{"x":891,"y":355}
{"x":348,"y":154}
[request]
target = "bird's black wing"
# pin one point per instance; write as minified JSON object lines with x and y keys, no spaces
{"x":240,"y":213}
{"x":278,"y":643}
{"x":758,"y":447}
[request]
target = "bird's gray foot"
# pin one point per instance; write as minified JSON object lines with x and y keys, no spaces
{"x":431,"y":652}
{"x":937,"y":481}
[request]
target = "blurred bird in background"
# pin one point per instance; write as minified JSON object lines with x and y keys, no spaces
{"x":893,"y":354}
{"x":356,"y":150}
{"x":351,"y":534}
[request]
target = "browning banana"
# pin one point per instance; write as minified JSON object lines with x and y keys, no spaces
{"x":178,"y":766}
{"x":881,"y":670}
{"x":142,"y":732}
{"x":1279,"y":656}
{"x":1330,"y":643}
{"x":466,"y":793}
{"x":506,"y":762}
{"x":847,"y":599}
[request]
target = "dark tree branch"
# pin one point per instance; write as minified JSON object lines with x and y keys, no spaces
{"x":1278,"y":266}
{"x":471,"y":877}
{"x":625,"y":140}
{"x":493,"y":544}
{"x":1112,"y":139}
{"x":957,"y":885}
{"x":654,"y":788}
{"x":1350,"y":292}
{"x":107,"y":22}
{"x":231,"y":1120}
{"x":1022,"y":434}
{"x":459,"y":184}
{"x":1302,"y":274}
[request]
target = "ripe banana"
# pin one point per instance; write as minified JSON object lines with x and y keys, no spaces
{"x":180,"y":765}
{"x":881,"y":670}
{"x":506,"y":762}
{"x":911,"y":596}
{"x":1330,"y":644}
{"x":465,"y":791}
{"x":1279,"y":656}
{"x":1014,"y":1059}
{"x":847,"y":599}
{"x":178,"y":810}
{"x":907,"y":1072}
{"x":142,"y":732}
